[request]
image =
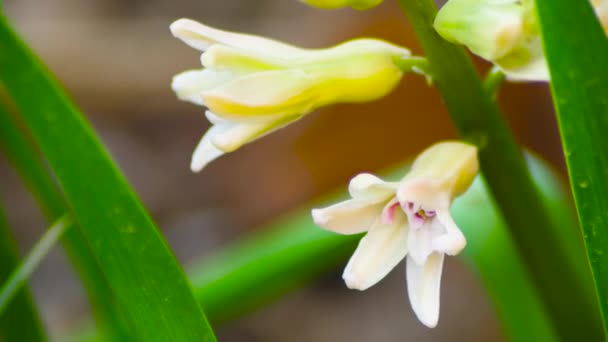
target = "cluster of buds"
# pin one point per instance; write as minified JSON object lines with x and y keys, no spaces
{"x":503,"y":32}
{"x":252,"y":86}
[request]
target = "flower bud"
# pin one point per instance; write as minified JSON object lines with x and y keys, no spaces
{"x":503,"y":32}
{"x":490,"y":29}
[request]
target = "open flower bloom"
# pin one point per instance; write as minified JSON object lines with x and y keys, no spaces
{"x":331,"y":4}
{"x":253,"y":86}
{"x":407,"y":218}
{"x":503,"y":32}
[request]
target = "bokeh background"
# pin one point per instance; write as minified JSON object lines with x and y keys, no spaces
{"x":117,"y":57}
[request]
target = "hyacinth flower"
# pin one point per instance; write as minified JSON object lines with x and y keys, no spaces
{"x":503,"y":32}
{"x":406,"y":219}
{"x":253,"y":85}
{"x":332,"y":4}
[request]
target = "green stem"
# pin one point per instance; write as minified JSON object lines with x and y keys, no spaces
{"x":20,"y":320}
{"x":493,"y":80}
{"x":419,"y":65}
{"x":555,"y":264}
{"x":40,"y":250}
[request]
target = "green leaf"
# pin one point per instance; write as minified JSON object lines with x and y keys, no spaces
{"x":255,"y":270}
{"x":148,"y":283}
{"x":576,"y":49}
{"x":39,"y":251}
{"x":24,"y":157}
{"x":557,"y":264}
{"x":19,"y":321}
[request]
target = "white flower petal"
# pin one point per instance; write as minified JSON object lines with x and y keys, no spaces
{"x":241,"y":133}
{"x":452,"y":241}
{"x":370,"y":187}
{"x":379,"y":251}
{"x":419,"y":242}
{"x":214,"y":118}
{"x":201,"y":36}
{"x":190,"y":84}
{"x":205,"y":152}
{"x":423,"y":287}
{"x":349,"y":217}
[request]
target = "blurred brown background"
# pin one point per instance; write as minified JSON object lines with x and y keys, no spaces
{"x":117,"y":57}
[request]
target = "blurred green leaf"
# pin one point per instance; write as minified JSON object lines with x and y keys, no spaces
{"x":253,"y":271}
{"x":39,"y":251}
{"x":19,"y":321}
{"x":24,"y":157}
{"x":149,"y":285}
{"x":576,"y":49}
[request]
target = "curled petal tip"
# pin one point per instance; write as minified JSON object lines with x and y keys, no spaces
{"x":204,"y":153}
{"x":319,"y":217}
{"x":353,"y":282}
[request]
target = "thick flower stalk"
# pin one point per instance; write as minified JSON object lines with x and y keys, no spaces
{"x":406,"y":218}
{"x":332,"y":4}
{"x":503,"y":32}
{"x":253,"y":86}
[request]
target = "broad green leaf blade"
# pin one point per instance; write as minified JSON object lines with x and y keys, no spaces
{"x":145,"y":277}
{"x":557,"y":264}
{"x":576,"y":49}
{"x":24,"y":157}
{"x":19,"y":321}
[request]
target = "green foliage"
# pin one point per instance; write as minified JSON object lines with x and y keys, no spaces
{"x":39,"y":251}
{"x":576,"y":49}
{"x":19,"y":321}
{"x":22,"y":154}
{"x":148,"y":284}
{"x":553,"y":257}
{"x":249,"y":273}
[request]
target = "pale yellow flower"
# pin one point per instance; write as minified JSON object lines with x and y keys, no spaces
{"x":406,"y":218}
{"x":253,"y":85}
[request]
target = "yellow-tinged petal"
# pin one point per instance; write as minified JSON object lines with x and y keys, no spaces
{"x":444,"y":169}
{"x":525,"y":63}
{"x":262,"y":94}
